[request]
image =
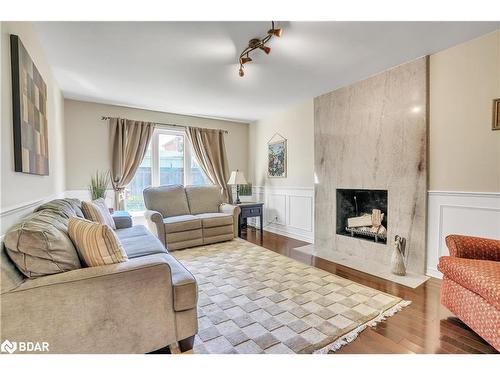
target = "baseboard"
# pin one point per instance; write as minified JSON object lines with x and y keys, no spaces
{"x":433,"y":272}
{"x":284,"y":232}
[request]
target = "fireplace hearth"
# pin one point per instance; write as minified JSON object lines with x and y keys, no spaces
{"x":362,"y":213}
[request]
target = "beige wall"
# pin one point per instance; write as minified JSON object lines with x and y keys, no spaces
{"x":87,"y":137}
{"x":20,"y":188}
{"x":464,"y":151}
{"x":296,"y":124}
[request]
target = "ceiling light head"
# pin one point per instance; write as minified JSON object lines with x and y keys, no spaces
{"x":275,"y":32}
{"x":241,"y":72}
{"x":266,"y":49}
{"x":244,"y":60}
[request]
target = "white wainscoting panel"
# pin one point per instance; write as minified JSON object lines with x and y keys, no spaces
{"x":11,"y":215}
{"x":300,"y":214}
{"x":287,"y":210}
{"x":275,"y":206}
{"x":466,"y":213}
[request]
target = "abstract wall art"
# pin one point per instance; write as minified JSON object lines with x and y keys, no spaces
{"x":29,"y":104}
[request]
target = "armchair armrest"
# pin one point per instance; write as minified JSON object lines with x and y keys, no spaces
{"x":155,"y":224}
{"x":473,"y":247}
{"x":233,"y":210}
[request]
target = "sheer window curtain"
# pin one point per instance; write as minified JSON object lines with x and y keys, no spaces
{"x":210,"y":150}
{"x":129,"y":142}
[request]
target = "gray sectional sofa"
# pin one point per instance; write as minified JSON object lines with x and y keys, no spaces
{"x":137,"y":306}
{"x":190,"y":216}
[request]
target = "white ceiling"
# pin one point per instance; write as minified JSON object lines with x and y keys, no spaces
{"x":191,"y":67}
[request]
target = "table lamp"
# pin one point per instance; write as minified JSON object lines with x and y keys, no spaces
{"x":237,"y":178}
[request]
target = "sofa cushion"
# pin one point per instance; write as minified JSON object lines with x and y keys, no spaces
{"x":168,"y":200}
{"x":195,"y":239}
{"x":67,"y":207}
{"x":96,"y":243}
{"x":479,"y":276}
{"x":181,"y":223}
{"x":214,"y":219}
{"x":138,"y":241}
{"x":10,"y":276}
{"x":203,"y":199}
{"x":187,"y":235}
{"x":98,"y":212}
{"x":39,"y":245}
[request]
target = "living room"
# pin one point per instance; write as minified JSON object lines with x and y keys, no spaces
{"x":250,"y":187}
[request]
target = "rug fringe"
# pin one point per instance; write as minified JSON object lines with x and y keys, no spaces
{"x":352,"y":335}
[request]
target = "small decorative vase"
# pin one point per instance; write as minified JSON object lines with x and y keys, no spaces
{"x":398,"y":256}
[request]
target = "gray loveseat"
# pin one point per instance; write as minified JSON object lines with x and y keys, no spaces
{"x":190,"y":216}
{"x":138,"y":306}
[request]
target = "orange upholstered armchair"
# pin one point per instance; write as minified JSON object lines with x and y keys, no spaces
{"x":471,"y":284}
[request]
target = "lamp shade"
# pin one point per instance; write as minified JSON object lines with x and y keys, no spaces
{"x":237,"y":178}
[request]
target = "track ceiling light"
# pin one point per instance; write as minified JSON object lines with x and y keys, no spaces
{"x":257,"y":43}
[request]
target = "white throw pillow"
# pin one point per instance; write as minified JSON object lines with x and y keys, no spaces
{"x":98,"y":211}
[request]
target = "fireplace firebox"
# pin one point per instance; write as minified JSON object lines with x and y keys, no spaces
{"x":362,"y":213}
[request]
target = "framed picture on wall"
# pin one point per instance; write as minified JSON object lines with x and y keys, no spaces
{"x":29,"y":104}
{"x":496,"y":114}
{"x":277,"y":158}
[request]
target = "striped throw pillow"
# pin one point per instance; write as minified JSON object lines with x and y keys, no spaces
{"x":98,"y":211}
{"x":96,"y":243}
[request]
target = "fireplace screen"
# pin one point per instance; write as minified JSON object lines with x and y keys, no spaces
{"x":362,"y":213}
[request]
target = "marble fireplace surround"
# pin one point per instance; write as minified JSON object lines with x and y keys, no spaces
{"x":373,"y":135}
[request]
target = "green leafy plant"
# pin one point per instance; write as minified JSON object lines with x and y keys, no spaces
{"x":98,"y":185}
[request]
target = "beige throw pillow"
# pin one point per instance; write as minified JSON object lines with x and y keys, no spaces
{"x":98,"y":211}
{"x":96,"y":243}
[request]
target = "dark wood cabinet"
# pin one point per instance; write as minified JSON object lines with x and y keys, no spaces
{"x":250,"y":209}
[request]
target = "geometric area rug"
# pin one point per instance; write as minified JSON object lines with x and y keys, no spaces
{"x":253,"y":300}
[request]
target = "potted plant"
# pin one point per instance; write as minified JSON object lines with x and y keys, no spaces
{"x":98,"y":185}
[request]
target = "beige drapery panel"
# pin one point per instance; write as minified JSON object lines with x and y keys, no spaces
{"x":129,"y":142}
{"x":210,"y":150}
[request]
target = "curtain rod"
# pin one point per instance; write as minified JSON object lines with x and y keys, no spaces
{"x":175,"y":125}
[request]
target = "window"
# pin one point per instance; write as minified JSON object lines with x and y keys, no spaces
{"x":171,"y":159}
{"x":168,"y":160}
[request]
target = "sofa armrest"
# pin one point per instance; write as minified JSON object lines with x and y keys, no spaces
{"x":473,"y":247}
{"x":156,"y":225}
{"x":122,"y":219}
{"x":233,"y":210}
{"x":128,"y":307}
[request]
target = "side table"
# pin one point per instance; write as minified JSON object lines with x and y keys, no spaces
{"x":250,"y":209}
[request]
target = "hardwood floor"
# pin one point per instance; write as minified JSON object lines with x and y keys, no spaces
{"x":423,"y":327}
